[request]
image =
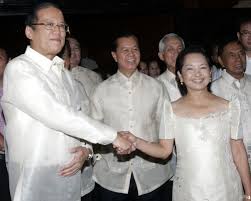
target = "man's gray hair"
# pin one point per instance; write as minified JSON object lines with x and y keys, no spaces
{"x":162,"y":45}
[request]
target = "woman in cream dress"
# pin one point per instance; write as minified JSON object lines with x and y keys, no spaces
{"x":211,"y":158}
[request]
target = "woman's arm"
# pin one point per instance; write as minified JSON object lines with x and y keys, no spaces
{"x":241,"y":162}
{"x":161,"y":149}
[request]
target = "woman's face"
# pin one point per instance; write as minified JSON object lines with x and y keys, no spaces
{"x":195,"y":73}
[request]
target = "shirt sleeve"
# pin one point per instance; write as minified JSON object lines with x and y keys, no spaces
{"x":31,"y":94}
{"x":97,"y":104}
{"x":235,"y":119}
{"x":166,"y":130}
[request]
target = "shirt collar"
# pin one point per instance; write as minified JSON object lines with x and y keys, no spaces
{"x":43,"y":62}
{"x":170,"y":76}
{"x":134,"y":78}
{"x":230,"y":79}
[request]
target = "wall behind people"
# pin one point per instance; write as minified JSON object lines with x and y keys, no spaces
{"x":96,"y":30}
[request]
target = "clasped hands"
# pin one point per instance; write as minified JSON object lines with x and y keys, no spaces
{"x":125,"y":143}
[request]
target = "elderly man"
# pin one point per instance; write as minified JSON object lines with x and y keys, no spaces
{"x":169,"y":48}
{"x":235,"y":83}
{"x":118,"y":102}
{"x":244,"y":36}
{"x":43,"y":121}
{"x":87,"y":77}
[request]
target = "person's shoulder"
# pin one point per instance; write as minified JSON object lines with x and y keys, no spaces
{"x":248,"y":77}
{"x":107,"y":82}
{"x":150,"y":79}
{"x":220,"y":100}
{"x":19,"y":63}
{"x":217,"y":84}
{"x":220,"y":103}
{"x":162,"y":76}
{"x":217,"y":81}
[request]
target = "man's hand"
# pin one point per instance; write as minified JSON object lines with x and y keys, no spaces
{"x":80,"y":155}
{"x":122,"y":144}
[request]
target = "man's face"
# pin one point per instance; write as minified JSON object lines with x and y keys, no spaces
{"x":47,"y":42}
{"x":154,"y":69}
{"x":75,"y":52}
{"x":233,"y":59}
{"x":173,"y":47}
{"x":244,"y":35}
{"x":127,"y":54}
{"x":3,"y":61}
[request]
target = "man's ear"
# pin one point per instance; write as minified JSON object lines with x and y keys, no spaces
{"x":114,"y":56}
{"x":221,"y":62}
{"x":28,"y":32}
{"x":238,"y":35}
{"x":160,"y":54}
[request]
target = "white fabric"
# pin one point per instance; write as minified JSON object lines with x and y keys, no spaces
{"x":44,"y":120}
{"x":87,"y":77}
{"x":88,"y":80}
{"x":168,"y":79}
{"x":89,"y":63}
{"x":205,"y":168}
{"x":248,"y":66}
{"x":130,"y":104}
{"x":228,"y":87}
{"x":216,"y":72}
{"x":87,"y":183}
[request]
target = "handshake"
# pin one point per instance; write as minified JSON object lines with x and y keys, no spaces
{"x":125,"y":142}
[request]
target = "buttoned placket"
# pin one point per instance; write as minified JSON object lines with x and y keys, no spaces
{"x":57,"y":70}
{"x":129,"y":84}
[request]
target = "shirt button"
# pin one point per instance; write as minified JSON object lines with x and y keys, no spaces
{"x":130,"y":92}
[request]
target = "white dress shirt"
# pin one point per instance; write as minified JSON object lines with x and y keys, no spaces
{"x":130,"y":104}
{"x":88,"y":80}
{"x":87,"y":184}
{"x":248,"y":65}
{"x":228,"y":87}
{"x":43,"y":121}
{"x":87,"y":77}
{"x":168,"y":79}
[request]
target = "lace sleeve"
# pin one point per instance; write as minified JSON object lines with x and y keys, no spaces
{"x":235,"y":119}
{"x":166,"y":130}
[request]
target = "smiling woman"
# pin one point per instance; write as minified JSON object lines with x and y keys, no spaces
{"x":208,"y":138}
{"x":193,"y":69}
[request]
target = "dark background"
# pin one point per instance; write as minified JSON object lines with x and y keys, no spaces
{"x":95,"y":22}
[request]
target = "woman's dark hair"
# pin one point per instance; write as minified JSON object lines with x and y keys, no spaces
{"x":180,"y":63}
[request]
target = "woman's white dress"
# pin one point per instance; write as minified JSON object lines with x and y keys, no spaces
{"x":205,"y":169}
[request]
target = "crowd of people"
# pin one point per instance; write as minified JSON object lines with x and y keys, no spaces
{"x":140,"y":135}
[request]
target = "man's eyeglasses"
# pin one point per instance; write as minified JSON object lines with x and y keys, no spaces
{"x":245,"y":33}
{"x":51,"y":26}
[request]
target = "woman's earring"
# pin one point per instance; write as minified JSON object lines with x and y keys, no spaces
{"x":181,"y":82}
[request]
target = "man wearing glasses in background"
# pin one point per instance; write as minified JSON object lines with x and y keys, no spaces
{"x":43,"y":122}
{"x":244,"y":36}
